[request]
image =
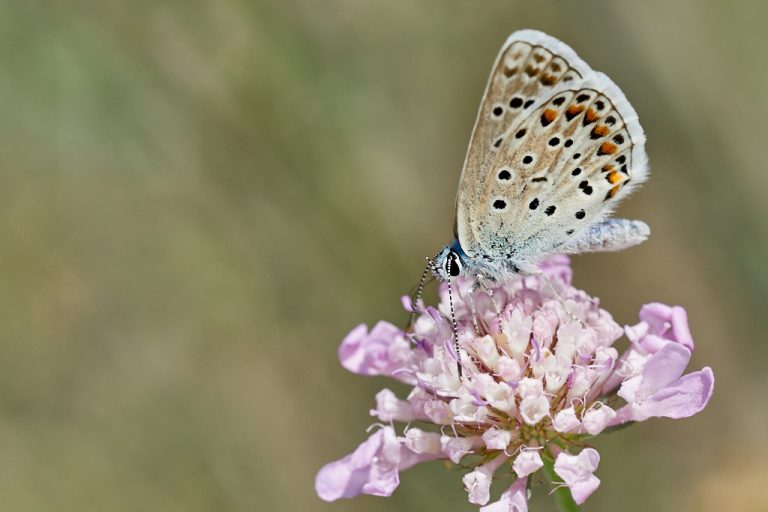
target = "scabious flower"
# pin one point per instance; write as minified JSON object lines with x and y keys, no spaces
{"x":540,"y":376}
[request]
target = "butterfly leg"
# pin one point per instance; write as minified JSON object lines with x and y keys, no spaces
{"x":558,"y":297}
{"x":482,"y":283}
{"x":473,"y":308}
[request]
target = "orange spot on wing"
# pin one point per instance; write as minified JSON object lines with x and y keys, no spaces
{"x":573,"y":111}
{"x":606,"y":148}
{"x":608,"y":168}
{"x":600,"y":131}
{"x":590,"y":116}
{"x":547,"y":79}
{"x":613,"y":177}
{"x":548,"y":116}
{"x":612,"y":193}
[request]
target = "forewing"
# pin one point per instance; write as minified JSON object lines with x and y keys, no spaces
{"x":530,"y":67}
{"x":559,"y":168}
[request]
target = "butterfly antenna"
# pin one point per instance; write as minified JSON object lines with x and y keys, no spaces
{"x":416,"y":297}
{"x":453,"y":324}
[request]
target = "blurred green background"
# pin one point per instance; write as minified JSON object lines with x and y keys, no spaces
{"x":199,"y":200}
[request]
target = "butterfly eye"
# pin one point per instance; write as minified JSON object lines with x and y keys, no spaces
{"x":452,"y":264}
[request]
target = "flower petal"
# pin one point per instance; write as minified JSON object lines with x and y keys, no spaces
{"x":390,"y":408}
{"x":437,"y":412}
{"x":529,"y":461}
{"x":419,"y":441}
{"x":576,"y":471}
{"x":373,"y":468}
{"x":382,"y":351}
{"x":669,"y":322}
{"x":351,"y":354}
{"x":514,"y":499}
{"x":346,"y":477}
{"x":566,"y":421}
{"x":534,"y":409}
{"x":683,"y":398}
{"x":457,"y":447}
{"x":661,"y":369}
{"x":584,"y":489}
{"x":596,"y":419}
{"x":478,"y":482}
{"x":557,"y":267}
{"x":497,"y":439}
{"x":686,"y":397}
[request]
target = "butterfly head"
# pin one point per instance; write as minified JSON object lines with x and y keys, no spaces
{"x":450,"y":262}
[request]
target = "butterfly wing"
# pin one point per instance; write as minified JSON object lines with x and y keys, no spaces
{"x":529,"y":66}
{"x":536,"y":178}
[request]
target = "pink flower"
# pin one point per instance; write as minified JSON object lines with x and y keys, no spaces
{"x":514,"y":499}
{"x":371,"y":469}
{"x":379,"y":352}
{"x":478,"y":482}
{"x":576,"y":471}
{"x":529,"y":461}
{"x":661,"y":389}
{"x":670,"y":323}
{"x":540,"y":376}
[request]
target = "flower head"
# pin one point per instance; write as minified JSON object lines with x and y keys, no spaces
{"x":539,"y":376}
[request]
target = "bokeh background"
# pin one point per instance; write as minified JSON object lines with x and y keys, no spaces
{"x":199,"y":200}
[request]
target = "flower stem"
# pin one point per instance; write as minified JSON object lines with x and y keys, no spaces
{"x":562,"y":495}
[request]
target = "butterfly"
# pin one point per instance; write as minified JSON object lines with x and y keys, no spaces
{"x":554,"y":149}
